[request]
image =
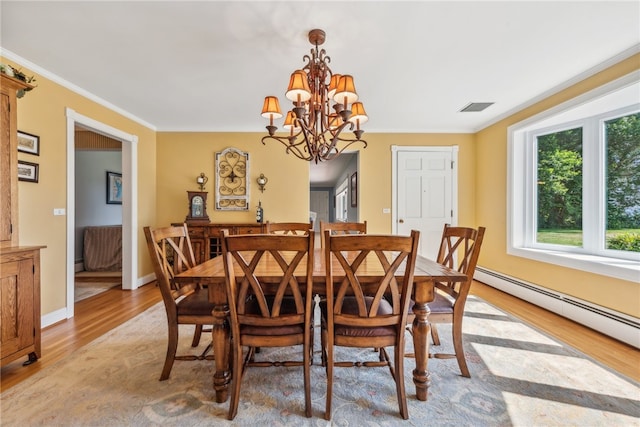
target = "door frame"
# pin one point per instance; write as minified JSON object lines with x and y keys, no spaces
{"x":129,"y":195}
{"x":395,"y":149}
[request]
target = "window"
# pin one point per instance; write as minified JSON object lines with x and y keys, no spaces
{"x":559,"y":185}
{"x":574,"y":183}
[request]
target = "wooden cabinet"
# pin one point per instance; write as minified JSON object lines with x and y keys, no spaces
{"x":205,"y":238}
{"x":20,"y":303}
{"x":19,"y":266}
{"x":198,"y":242}
{"x":9,"y":160}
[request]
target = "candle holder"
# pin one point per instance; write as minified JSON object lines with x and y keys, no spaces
{"x":262,"y":182}
{"x":202,"y":180}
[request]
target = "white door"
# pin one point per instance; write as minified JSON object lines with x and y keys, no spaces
{"x":319,"y":203}
{"x":425,"y":188}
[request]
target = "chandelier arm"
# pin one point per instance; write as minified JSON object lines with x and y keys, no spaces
{"x":326,"y":154}
{"x":286,"y":140}
{"x":290,"y":148}
{"x":351,"y":142}
{"x":336,"y":135}
{"x":308,"y":146}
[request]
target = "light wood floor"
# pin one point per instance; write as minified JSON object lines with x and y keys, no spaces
{"x":99,"y":314}
{"x":93,"y":317}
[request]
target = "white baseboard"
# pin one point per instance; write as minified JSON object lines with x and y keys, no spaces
{"x":53,"y":317}
{"x":146,"y":279}
{"x":612,"y":323}
{"x":59,"y":315}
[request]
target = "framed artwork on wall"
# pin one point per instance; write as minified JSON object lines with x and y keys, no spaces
{"x":28,"y":171}
{"x":353,"y":189}
{"x":28,"y":143}
{"x":114,"y":188}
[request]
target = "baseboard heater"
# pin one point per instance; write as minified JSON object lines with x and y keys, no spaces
{"x":614,"y":324}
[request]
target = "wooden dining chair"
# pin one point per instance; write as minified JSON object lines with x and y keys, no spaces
{"x":171,"y":253}
{"x":459,"y":249}
{"x":295,"y":228}
{"x":268,"y":313}
{"x":337,"y":228}
{"x":368,"y":313}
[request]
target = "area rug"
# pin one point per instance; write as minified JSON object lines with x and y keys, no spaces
{"x":520,"y":377}
{"x":84,"y":290}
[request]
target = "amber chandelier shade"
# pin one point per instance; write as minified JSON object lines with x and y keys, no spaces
{"x":324,"y":105}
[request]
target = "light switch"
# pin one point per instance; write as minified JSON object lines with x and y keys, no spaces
{"x":58,"y":211}
{"x":386,"y":210}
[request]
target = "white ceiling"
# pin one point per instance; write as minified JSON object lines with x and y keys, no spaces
{"x":207,"y":65}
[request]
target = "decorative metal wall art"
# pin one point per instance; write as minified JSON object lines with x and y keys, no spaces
{"x":232,"y":170}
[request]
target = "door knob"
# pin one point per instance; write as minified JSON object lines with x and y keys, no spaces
{"x":401,"y":221}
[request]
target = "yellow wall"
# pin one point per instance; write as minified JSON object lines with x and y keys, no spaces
{"x":42,"y":112}
{"x":168,"y":163}
{"x":491,"y":208}
{"x":183,"y":155}
{"x":374,"y":175}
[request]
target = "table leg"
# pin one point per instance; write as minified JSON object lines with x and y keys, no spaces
{"x":421,"y":332}
{"x":220,"y":332}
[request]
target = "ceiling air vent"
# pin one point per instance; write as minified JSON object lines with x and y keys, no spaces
{"x":476,"y":106}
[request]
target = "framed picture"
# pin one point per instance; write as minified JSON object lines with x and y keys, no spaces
{"x":353,"y":189}
{"x":114,"y":188}
{"x":28,"y":171}
{"x":28,"y":143}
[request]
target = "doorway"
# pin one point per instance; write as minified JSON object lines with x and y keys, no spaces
{"x":129,"y":195}
{"x":425,"y":193}
{"x":325,"y":181}
{"x":98,"y":222}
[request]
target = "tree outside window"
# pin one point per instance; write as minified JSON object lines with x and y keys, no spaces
{"x":622,"y":139}
{"x":560,"y":188}
{"x":560,"y":182}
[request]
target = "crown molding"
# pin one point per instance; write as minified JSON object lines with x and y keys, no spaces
{"x":72,"y":87}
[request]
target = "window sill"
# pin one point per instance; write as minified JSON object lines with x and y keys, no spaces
{"x":611,"y":267}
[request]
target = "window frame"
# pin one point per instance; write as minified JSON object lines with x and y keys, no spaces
{"x":522,"y":185}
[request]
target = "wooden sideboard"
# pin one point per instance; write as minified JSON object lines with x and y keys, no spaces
{"x":20,"y":303}
{"x":205,"y":238}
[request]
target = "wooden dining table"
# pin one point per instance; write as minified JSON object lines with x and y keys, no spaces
{"x":211,"y":274}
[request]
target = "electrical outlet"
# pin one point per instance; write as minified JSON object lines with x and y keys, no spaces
{"x":58,"y":211}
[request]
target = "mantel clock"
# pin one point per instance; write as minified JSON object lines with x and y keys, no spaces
{"x":197,"y":207}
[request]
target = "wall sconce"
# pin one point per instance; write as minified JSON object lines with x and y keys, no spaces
{"x":262,"y":181}
{"x":202,"y":180}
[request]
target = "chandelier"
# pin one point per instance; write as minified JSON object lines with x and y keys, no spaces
{"x":314,"y":126}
